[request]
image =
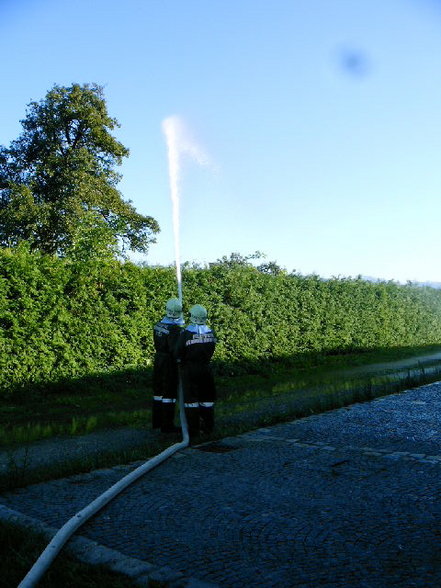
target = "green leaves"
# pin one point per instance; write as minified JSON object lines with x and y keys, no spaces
{"x":63,"y":318}
{"x":59,"y":177}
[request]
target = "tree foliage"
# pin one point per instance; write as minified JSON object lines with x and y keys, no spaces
{"x":237,"y":259}
{"x":58,"y":180}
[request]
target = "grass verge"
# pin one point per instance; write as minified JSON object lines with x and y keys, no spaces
{"x":252,"y":403}
{"x":123,"y":399}
{"x":19,"y":550}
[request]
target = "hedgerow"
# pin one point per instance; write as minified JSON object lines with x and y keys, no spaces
{"x":61,"y":319}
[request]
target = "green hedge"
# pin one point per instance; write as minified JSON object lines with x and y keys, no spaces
{"x":60,"y":319}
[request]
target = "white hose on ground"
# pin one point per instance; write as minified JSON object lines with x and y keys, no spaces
{"x":63,"y":535}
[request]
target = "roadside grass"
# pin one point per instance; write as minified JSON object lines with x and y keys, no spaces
{"x":13,"y":435}
{"x":120,"y":400}
{"x":20,"y":548}
{"x":245,"y":403}
{"x":243,"y":415}
{"x":19,"y":473}
{"x":76,"y":407}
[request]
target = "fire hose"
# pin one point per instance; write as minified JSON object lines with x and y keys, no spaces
{"x":68,"y":529}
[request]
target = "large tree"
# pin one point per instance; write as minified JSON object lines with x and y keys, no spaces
{"x":58,"y":180}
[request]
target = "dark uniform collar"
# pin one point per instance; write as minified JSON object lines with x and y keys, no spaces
{"x":171,"y":321}
{"x":199,"y":329}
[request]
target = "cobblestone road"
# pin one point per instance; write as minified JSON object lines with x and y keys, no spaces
{"x":347,"y":498}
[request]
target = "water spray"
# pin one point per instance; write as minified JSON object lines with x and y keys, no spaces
{"x":171,"y":128}
{"x":179,"y":144}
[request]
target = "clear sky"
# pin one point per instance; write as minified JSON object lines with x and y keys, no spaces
{"x":322,"y":119}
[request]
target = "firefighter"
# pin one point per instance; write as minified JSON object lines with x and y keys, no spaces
{"x":165,"y":369}
{"x":195,"y":349}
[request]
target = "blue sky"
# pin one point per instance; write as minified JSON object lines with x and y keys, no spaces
{"x":322,"y":119}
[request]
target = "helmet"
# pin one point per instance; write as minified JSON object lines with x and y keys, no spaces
{"x":198,"y":314}
{"x":173,"y":308}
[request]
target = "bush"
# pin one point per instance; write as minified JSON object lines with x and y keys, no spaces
{"x":62,"y":319}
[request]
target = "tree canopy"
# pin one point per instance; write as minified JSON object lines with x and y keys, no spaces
{"x":58,"y":180}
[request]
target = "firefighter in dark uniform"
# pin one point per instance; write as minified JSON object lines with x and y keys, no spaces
{"x":165,"y":370}
{"x":195,"y":349}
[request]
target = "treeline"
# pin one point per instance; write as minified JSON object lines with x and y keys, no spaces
{"x":62,"y":319}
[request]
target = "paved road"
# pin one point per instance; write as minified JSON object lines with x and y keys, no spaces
{"x":347,"y":498}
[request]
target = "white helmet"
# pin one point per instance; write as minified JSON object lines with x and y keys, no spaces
{"x":198,"y":315}
{"x":173,"y":308}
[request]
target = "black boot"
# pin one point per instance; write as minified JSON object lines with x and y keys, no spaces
{"x":207,"y":419}
{"x":192,"y":416}
{"x":168,"y":417}
{"x":156,"y":413}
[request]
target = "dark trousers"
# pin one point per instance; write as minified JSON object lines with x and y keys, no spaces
{"x":165,"y":388}
{"x":199,"y":396}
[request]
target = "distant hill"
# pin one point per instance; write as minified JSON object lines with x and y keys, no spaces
{"x":429,"y":284}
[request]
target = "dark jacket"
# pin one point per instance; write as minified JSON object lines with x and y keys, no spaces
{"x":166,"y":334}
{"x":196,"y":343}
